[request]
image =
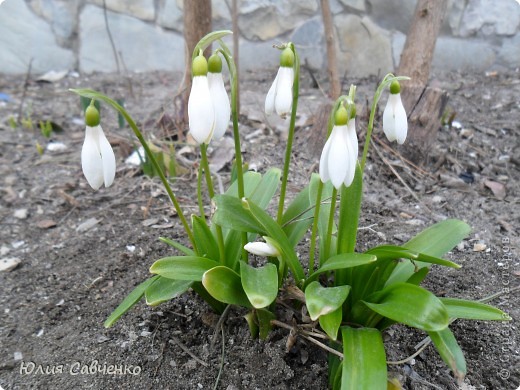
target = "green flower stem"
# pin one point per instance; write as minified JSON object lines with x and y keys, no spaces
{"x":387,"y":80}
{"x":288,"y":150}
{"x":211,"y":191}
{"x":199,"y":193}
{"x":330,"y":224}
{"x":312,"y":248}
{"x":236,"y":134}
{"x":91,"y":94}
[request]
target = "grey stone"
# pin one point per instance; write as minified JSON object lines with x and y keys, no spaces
{"x":365,"y":49}
{"x":24,"y":36}
{"x":309,"y":42}
{"x":170,"y":15}
{"x":453,"y":18}
{"x":142,"y":9}
{"x":267,"y":19}
{"x":489,"y":17}
{"x":258,"y":55}
{"x":144,"y":47}
{"x":356,"y":4}
{"x":509,"y":53}
{"x":462,"y":54}
{"x":393,"y":14}
{"x":60,"y":14}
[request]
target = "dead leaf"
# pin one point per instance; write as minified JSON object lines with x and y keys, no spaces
{"x":498,"y":189}
{"x":46,"y":224}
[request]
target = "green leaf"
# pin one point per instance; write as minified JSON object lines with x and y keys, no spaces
{"x":182,"y":267}
{"x":225,"y":285}
{"x":264,"y":322}
{"x":267,"y":187}
{"x":298,"y":217}
{"x":450,"y":352}
{"x":251,"y":180}
{"x":343,"y":261}
{"x":324,"y":300}
{"x":206,"y":244}
{"x":434,"y":241}
{"x":131,"y":299}
{"x":364,"y":362}
{"x":184,"y":249}
{"x":260,"y":284}
{"x":411,"y":305}
{"x":252,"y":323}
{"x":232,"y":214}
{"x":164,"y":289}
{"x":470,"y":310}
{"x":331,"y":322}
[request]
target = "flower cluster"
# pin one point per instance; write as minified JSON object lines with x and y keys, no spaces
{"x":208,"y":105}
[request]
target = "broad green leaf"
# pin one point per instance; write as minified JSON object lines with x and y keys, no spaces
{"x":350,"y":206}
{"x":393,"y":252}
{"x":331,"y":322}
{"x":298,"y":217}
{"x":232,"y":214}
{"x":461,"y":308}
{"x":450,"y":352}
{"x":267,"y":187}
{"x":364,"y":362}
{"x":260,"y":284}
{"x":182,"y":267}
{"x":252,"y":323}
{"x":206,"y":243}
{"x":411,"y":305}
{"x":225,"y":285}
{"x":164,"y":289}
{"x":251,"y":180}
{"x":184,"y":249}
{"x":324,"y":300}
{"x":434,"y":241}
{"x":131,"y":299}
{"x":264,"y":322}
{"x":342,"y":261}
{"x":323,"y":218}
{"x":418,"y":277}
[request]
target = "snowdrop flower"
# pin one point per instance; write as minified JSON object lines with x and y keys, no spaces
{"x":219,"y":96}
{"x":266,"y":249}
{"x":200,"y":106}
{"x":395,"y":124}
{"x":97,"y":157}
{"x":339,"y":156}
{"x":280,"y":95}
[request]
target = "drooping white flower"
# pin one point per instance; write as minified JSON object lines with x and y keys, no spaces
{"x":97,"y":157}
{"x":339,"y":156}
{"x":395,"y":123}
{"x":265,"y":249}
{"x":219,"y":96}
{"x":201,"y":113}
{"x":279,"y":97}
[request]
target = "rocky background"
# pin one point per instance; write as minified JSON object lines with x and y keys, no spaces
{"x":72,"y":34}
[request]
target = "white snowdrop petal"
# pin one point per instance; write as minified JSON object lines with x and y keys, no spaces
{"x":283,"y":96}
{"x":107,"y":157}
{"x":353,"y":139}
{"x":221,"y":105}
{"x":200,"y":110}
{"x":324,"y":169}
{"x":389,"y":119}
{"x":269,"y":99}
{"x":337,"y":157}
{"x":261,"y":249}
{"x":91,"y":162}
{"x":401,"y":122}
{"x":351,"y":159}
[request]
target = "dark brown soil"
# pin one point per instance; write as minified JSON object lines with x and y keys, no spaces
{"x":71,"y":276}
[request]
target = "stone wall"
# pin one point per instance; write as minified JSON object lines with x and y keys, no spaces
{"x":71,"y":34}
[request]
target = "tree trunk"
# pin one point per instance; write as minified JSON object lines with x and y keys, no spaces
{"x":197,"y":23}
{"x":423,"y":103}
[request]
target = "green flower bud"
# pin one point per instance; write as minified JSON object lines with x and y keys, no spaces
{"x":91,"y":116}
{"x":341,"y":116}
{"x":215,"y":64}
{"x":287,"y":58}
{"x":199,"y":66}
{"x":395,"y":88}
{"x":352,"y":111}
